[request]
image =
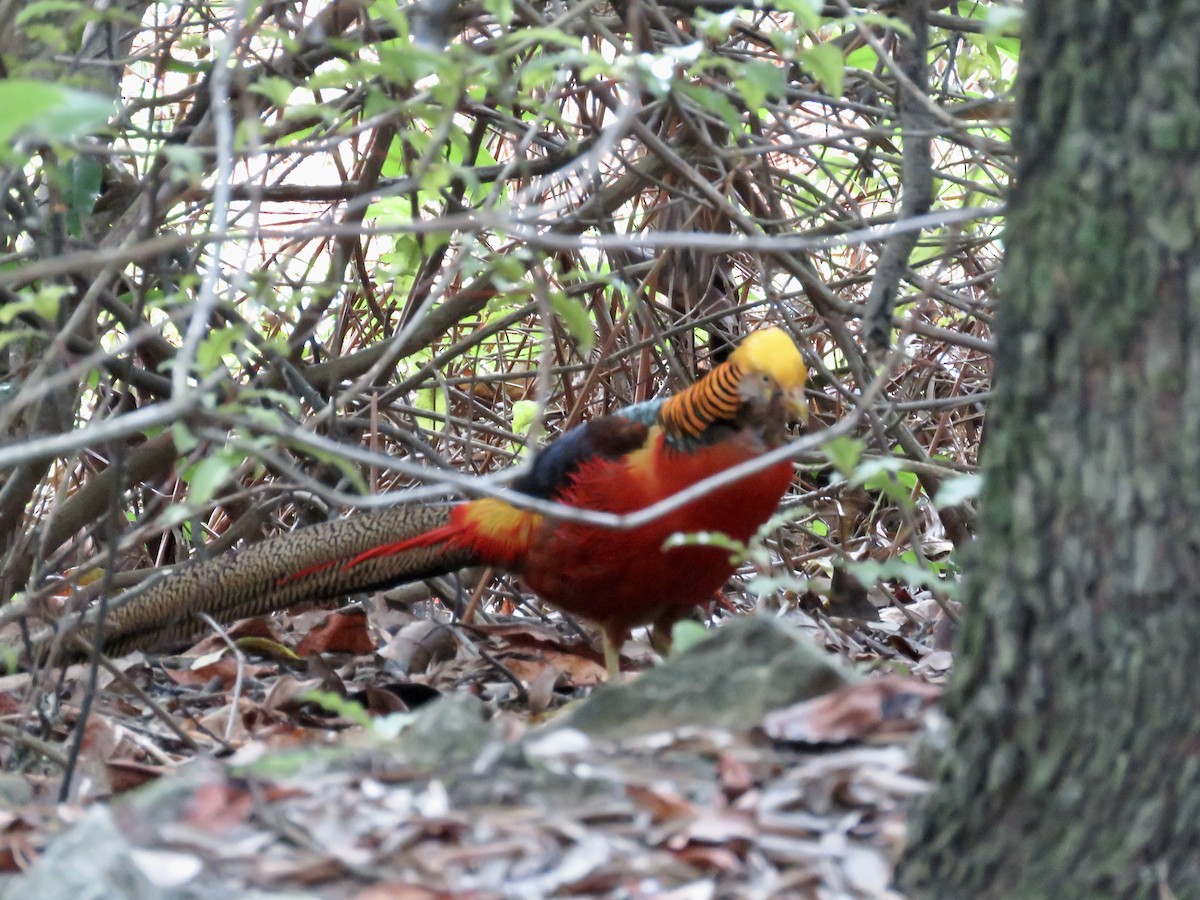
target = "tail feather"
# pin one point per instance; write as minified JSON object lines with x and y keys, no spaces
{"x":437,"y":537}
{"x":363,"y":552}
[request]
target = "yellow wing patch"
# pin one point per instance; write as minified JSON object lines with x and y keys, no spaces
{"x":498,"y":528}
{"x":642,"y":465}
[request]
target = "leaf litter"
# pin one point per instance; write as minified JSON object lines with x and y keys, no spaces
{"x":470,"y":762}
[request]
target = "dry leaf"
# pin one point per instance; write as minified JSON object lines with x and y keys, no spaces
{"x":420,"y":644}
{"x":854,"y":712}
{"x":344,"y":631}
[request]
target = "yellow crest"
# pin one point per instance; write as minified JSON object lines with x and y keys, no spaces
{"x":772,"y":352}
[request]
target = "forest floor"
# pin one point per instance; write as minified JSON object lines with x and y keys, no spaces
{"x":386,"y":755}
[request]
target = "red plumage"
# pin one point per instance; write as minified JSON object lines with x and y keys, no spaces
{"x":624,"y":578}
{"x":616,"y":464}
{"x":621,"y":464}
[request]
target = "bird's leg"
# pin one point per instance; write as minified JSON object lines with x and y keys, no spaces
{"x":612,"y":641}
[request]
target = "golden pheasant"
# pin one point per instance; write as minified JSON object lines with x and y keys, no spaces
{"x":619,"y":463}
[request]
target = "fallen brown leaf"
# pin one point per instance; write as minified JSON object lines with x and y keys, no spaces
{"x":855,"y":712}
{"x":224,"y":671}
{"x":419,"y":644}
{"x":344,"y":631}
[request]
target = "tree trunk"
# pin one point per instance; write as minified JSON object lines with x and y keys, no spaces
{"x":1074,"y":765}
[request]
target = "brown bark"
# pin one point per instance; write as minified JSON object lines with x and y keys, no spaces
{"x":1074,"y":765}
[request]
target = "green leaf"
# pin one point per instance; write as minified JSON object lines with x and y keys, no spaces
{"x":767,"y":584}
{"x":870,"y":571}
{"x":339,"y":705}
{"x":393,"y":14}
{"x":685,"y":635}
{"x":508,"y":274}
{"x":759,"y":81}
{"x":48,"y":111}
{"x":216,"y":345}
{"x":1009,"y":47}
{"x":289,"y":402}
{"x":574,"y":317}
{"x":207,"y":477}
{"x":392,"y":725}
{"x":85,"y":174}
{"x":12,"y":335}
{"x":864,"y":58}
{"x":958,"y":489}
{"x":277,"y":90}
{"x":807,"y":12}
{"x":524,"y":414}
{"x":43,"y":303}
{"x":1003,"y":21}
{"x":185,"y":440}
{"x":887,"y":476}
{"x":713,"y":101}
{"x":12,"y":658}
{"x":501,"y":9}
{"x":844,"y":453}
{"x":828,"y":65}
{"x":715,"y":26}
{"x":43,"y":9}
{"x":186,"y":162}
{"x":405,"y":63}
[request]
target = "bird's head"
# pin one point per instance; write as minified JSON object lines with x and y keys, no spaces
{"x":773,"y":374}
{"x":760,"y":387}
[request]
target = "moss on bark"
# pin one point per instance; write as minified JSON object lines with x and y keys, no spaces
{"x":1074,"y":769}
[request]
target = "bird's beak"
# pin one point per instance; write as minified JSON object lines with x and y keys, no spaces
{"x":797,"y":405}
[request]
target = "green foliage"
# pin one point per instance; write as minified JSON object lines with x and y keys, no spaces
{"x":42,"y":302}
{"x":712,"y":101}
{"x":905,"y":570}
{"x":575,"y":319}
{"x":209,"y":475}
{"x":379,"y":727}
{"x":187,"y":163}
{"x":685,"y":635}
{"x":888,"y":476}
{"x":45,"y":9}
{"x":10,"y":657}
{"x":493,"y":167}
{"x":759,"y":81}
{"x":827,"y":65}
{"x":217,"y":348}
{"x":277,"y":90}
{"x":339,"y":706}
{"x":184,"y":438}
{"x":807,"y":12}
{"x":958,"y":489}
{"x":85,"y":175}
{"x":46,"y":112}
{"x":844,"y":452}
{"x":501,"y":9}
{"x":524,"y":414}
{"x":1002,"y":22}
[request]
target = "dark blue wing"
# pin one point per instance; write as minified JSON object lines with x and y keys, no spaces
{"x":608,"y":437}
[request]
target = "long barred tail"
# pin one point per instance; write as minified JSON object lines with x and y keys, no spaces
{"x":316,"y":563}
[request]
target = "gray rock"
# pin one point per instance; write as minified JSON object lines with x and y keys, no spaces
{"x":729,"y":680}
